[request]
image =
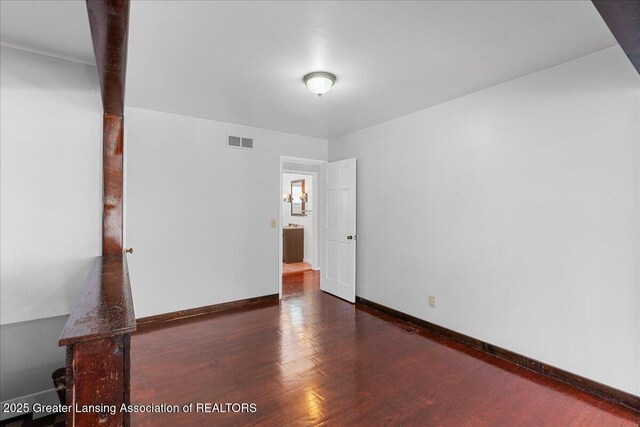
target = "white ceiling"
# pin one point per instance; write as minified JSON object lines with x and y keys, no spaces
{"x":243,"y":62}
{"x":59,"y":27}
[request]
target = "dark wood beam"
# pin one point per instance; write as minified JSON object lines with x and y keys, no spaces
{"x":112,"y":186}
{"x":109,"y":23}
{"x":623,"y":19}
{"x":98,"y":331}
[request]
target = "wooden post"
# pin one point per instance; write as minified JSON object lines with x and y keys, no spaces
{"x":97,"y":337}
{"x":112,"y":159}
{"x":98,"y":332}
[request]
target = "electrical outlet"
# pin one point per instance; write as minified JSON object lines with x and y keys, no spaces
{"x":274,"y":223}
{"x":432,"y":301}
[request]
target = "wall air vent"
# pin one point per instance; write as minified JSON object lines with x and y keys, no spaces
{"x":233,"y":141}
{"x":239,"y":142}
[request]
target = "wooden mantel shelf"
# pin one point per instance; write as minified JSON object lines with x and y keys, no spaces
{"x":104,"y":307}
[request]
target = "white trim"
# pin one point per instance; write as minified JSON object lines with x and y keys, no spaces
{"x":46,"y":52}
{"x":303,"y":161}
{"x":279,"y":228}
{"x":46,"y":397}
{"x":298,"y":172}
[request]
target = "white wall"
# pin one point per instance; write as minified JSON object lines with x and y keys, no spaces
{"x":517,"y":207}
{"x":51,"y":188}
{"x":199,"y":213}
{"x":30,"y":353}
{"x":50,"y":208}
{"x":305,"y":221}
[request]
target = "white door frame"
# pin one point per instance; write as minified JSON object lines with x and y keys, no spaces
{"x":316,"y":206}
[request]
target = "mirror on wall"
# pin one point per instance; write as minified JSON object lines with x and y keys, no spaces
{"x":298,"y":197}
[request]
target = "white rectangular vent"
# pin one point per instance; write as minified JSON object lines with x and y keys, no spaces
{"x":239,"y":142}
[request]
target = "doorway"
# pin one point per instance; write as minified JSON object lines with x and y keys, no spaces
{"x":298,"y":223}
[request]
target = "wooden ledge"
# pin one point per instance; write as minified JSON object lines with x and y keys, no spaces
{"x":104,"y":307}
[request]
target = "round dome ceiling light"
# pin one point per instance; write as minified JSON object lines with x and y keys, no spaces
{"x":319,"y":82}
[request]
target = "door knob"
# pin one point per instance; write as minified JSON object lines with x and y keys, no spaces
{"x":128,"y":251}
{"x":352,"y":237}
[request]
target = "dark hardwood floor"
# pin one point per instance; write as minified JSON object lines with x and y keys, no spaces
{"x":314,"y":359}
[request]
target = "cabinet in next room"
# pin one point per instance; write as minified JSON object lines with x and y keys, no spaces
{"x":292,"y":244}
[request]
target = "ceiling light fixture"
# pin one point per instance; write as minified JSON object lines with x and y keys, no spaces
{"x":319,"y":82}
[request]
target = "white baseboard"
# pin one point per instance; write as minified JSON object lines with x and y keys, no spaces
{"x":307,"y":260}
{"x":47,"y":397}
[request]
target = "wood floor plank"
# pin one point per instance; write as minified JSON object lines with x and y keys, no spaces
{"x":295,"y":267}
{"x":314,"y":359}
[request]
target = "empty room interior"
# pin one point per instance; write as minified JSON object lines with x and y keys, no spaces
{"x":337,"y":213}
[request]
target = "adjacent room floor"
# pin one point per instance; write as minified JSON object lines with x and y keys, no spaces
{"x":295,"y":267}
{"x":315,"y":359}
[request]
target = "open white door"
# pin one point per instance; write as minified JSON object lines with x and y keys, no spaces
{"x":338,"y":245}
